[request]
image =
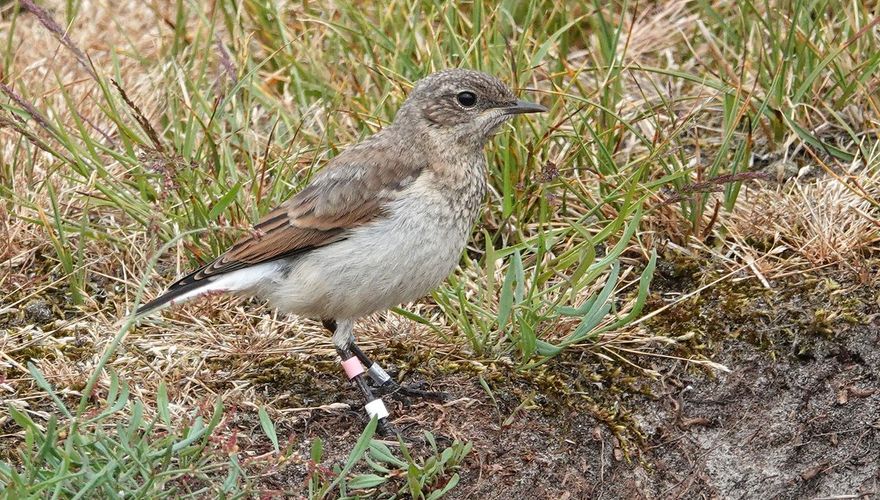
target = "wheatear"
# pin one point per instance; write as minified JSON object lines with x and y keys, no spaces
{"x":382,"y":224}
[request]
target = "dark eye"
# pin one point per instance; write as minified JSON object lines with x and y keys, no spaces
{"x":466,"y":99}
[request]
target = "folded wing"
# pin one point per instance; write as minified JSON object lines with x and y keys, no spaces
{"x":354,"y":189}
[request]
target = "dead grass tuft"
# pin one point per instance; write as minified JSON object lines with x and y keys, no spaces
{"x":824,"y":221}
{"x":650,"y":109}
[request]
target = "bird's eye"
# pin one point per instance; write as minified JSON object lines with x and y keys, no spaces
{"x":466,"y":99}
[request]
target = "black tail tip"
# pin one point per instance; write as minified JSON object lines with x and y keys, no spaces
{"x":146,"y":309}
{"x":155,"y":304}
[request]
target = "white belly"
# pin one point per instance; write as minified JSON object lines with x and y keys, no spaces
{"x":380,"y":265}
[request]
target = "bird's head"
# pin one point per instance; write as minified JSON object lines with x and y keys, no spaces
{"x":461,"y":106}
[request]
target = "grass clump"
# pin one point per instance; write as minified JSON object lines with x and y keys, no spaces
{"x":126,"y":129}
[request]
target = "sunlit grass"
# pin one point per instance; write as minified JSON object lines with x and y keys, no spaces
{"x":134,"y":136}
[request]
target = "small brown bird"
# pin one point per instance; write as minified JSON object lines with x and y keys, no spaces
{"x":382,"y":224}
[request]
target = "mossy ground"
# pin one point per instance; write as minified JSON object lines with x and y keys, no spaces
{"x":580,"y":421}
{"x":738,"y":140}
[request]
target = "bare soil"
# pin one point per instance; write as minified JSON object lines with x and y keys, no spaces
{"x":798,"y":416}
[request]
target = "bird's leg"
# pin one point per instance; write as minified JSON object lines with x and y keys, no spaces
{"x":343,"y":340}
{"x":379,"y":376}
{"x":386,"y":383}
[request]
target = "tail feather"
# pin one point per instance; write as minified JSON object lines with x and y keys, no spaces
{"x":176,"y":293}
{"x":187,"y":287}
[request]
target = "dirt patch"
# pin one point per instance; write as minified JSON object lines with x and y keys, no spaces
{"x":790,"y":428}
{"x":798,"y":416}
{"x":796,"y":427}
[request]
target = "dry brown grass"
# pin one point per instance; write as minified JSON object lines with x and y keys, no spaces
{"x":226,"y":347}
{"x":804,"y":224}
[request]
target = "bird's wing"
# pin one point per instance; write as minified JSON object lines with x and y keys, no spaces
{"x":352,"y":190}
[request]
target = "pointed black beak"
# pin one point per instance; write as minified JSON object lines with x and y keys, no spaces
{"x":520,"y":107}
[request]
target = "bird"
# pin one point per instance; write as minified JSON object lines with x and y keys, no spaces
{"x":382,"y":224}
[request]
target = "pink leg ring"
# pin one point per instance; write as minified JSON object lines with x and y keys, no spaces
{"x":352,"y":367}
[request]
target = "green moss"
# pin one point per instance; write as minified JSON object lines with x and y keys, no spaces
{"x":797,"y":310}
{"x":30,"y":353}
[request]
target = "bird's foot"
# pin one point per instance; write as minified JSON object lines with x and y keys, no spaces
{"x":386,"y":429}
{"x":394,"y":435}
{"x":401,"y":391}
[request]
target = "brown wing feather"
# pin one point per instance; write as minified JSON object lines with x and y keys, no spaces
{"x":350,"y":191}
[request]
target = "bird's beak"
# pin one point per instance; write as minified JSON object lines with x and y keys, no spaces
{"x":520,"y":107}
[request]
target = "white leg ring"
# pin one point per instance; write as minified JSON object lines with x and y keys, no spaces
{"x":376,"y":408}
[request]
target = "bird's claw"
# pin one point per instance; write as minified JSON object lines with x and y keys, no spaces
{"x":386,"y":429}
{"x":398,"y":391}
{"x":393,"y":434}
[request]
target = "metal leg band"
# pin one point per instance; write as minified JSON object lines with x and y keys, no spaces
{"x":378,"y":374}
